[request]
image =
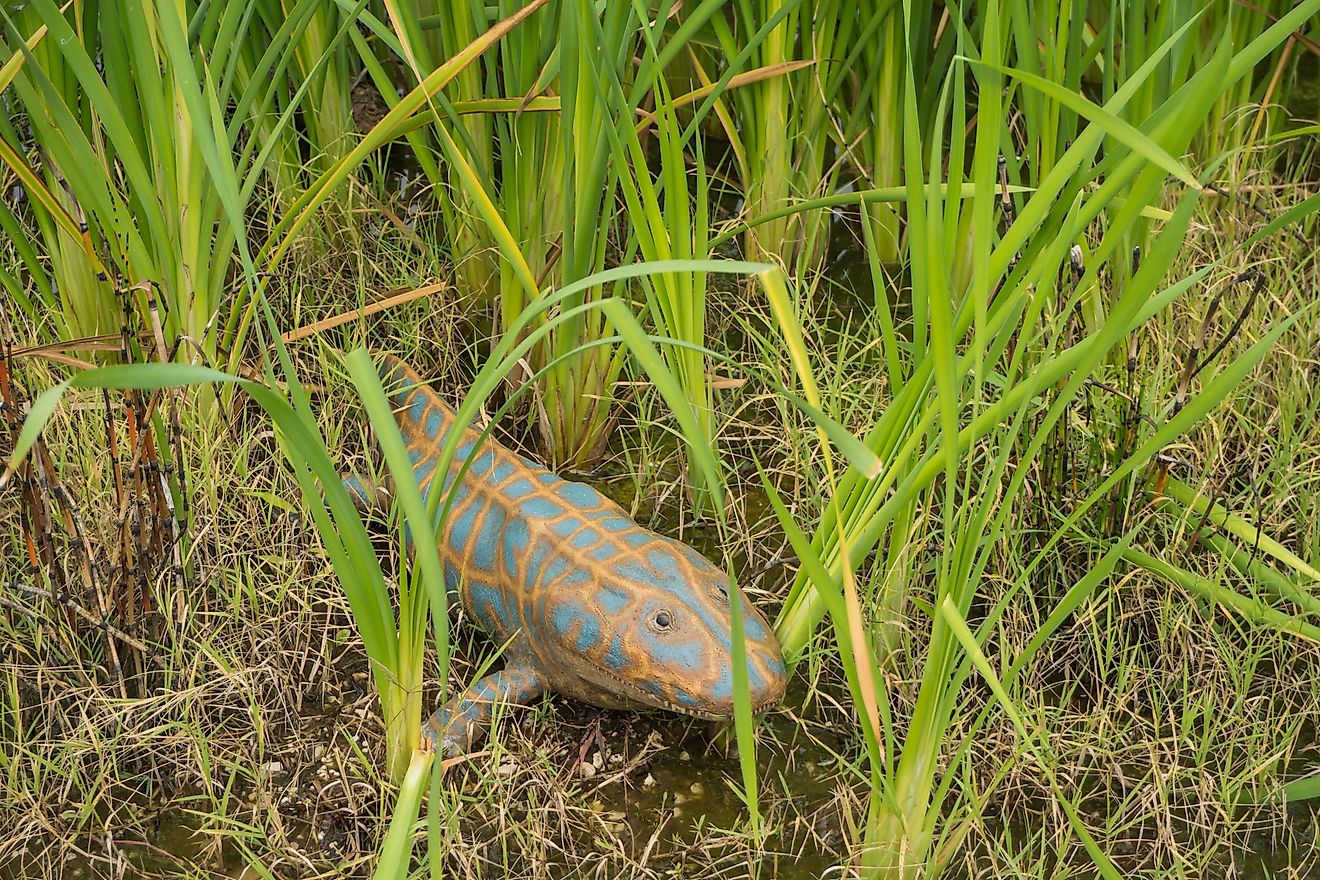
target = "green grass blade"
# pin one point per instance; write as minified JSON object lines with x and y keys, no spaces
{"x":409,"y":497}
{"x":396,"y":850}
{"x":1219,"y":517}
{"x":38,"y":414}
{"x":1115,"y":127}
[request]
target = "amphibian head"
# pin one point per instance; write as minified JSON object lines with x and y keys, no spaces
{"x":650,"y":625}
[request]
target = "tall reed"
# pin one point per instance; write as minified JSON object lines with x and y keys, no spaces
{"x":668,"y":218}
{"x":104,"y":136}
{"x":782,"y":136}
{"x":984,"y":357}
{"x":534,"y":173}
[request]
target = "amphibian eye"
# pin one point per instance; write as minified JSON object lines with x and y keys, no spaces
{"x":723,"y":592}
{"x":662,"y":620}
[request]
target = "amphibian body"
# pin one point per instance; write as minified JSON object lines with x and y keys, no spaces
{"x":590,"y":604}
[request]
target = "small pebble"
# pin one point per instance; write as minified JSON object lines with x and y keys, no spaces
{"x":274,"y":767}
{"x":685,"y":756}
{"x":697,"y":788}
{"x":598,"y":759}
{"x":649,"y":781}
{"x":506,"y":769}
{"x":587,"y":770}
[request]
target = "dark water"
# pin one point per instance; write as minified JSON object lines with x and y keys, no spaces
{"x":1304,"y":100}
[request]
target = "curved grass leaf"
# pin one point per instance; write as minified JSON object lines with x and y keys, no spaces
{"x":1120,"y":130}
{"x":409,"y":497}
{"x":38,"y":414}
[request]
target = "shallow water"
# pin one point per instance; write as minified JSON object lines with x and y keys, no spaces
{"x":685,"y":795}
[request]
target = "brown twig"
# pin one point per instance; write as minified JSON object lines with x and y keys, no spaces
{"x":64,"y":600}
{"x":397,"y":298}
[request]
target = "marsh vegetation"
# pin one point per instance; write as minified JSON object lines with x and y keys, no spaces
{"x":978,"y":341}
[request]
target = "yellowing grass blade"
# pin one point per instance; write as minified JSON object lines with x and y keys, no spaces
{"x":489,"y":211}
{"x":745,"y":78}
{"x":776,"y":291}
{"x":381,"y":133}
{"x":1219,"y":517}
{"x":10,"y":68}
{"x":37,"y":189}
